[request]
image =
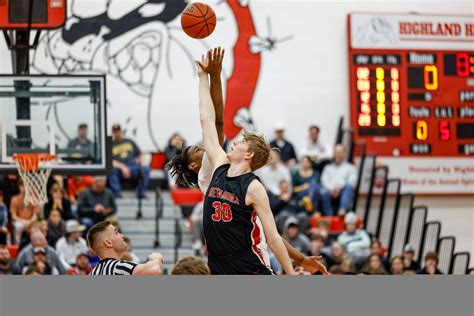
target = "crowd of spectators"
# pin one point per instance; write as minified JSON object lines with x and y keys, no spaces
{"x":318,"y":182}
{"x":49,"y":238}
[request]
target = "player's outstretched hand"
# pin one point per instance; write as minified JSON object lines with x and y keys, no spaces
{"x":215,"y":57}
{"x":312,"y":265}
{"x":203,"y":65}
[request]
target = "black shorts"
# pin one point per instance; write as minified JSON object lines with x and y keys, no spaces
{"x":247,"y":263}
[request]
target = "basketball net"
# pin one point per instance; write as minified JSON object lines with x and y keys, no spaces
{"x":34,"y":169}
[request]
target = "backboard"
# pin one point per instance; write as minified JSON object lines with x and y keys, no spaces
{"x":60,"y":115}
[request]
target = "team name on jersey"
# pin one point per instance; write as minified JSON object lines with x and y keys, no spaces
{"x":221,"y":194}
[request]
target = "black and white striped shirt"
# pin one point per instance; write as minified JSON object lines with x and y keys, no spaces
{"x":110,"y":266}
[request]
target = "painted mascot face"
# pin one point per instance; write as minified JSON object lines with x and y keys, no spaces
{"x":149,"y":62}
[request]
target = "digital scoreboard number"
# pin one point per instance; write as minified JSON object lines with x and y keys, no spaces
{"x":427,"y":93}
{"x":412,"y":88}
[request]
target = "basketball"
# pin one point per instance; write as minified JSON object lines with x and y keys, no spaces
{"x":198,"y":20}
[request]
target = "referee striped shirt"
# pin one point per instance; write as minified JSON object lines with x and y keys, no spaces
{"x":111,"y":266}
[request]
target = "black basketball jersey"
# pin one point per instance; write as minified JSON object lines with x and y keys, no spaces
{"x":230,"y":227}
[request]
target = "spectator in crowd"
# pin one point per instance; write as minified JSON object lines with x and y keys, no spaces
{"x":56,"y":228}
{"x":305,"y":185}
{"x":288,"y":155}
{"x":32,"y":270}
{"x":273,"y":173}
{"x":7,"y":265}
{"x":40,"y":262}
{"x":347,"y":266}
{"x":36,"y":226}
{"x":321,"y":228}
{"x":197,"y":228}
{"x":25,"y":237}
{"x":376,"y":249}
{"x":296,"y":239}
{"x":317,"y":246}
{"x":374,"y":265}
{"x":81,"y":143}
{"x":70,"y":246}
{"x":22,"y":215}
{"x":355,"y":241}
{"x":396,"y":267}
{"x":82,"y":266}
{"x":338,"y":181}
{"x":283,"y":206}
{"x":319,"y":152}
{"x":130,"y":253}
{"x":431,"y":264}
{"x":9,"y":187}
{"x":338,"y":255}
{"x":3,"y":221}
{"x":190,"y":266}
{"x":176,"y":145}
{"x":408,"y":259}
{"x":75,"y":186}
{"x":96,"y":203}
{"x":43,"y":226}
{"x":128,"y":161}
{"x":58,"y":201}
{"x":25,"y":257}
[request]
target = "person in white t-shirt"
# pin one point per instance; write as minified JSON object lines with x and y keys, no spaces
{"x":338,"y":182}
{"x":274,"y":173}
{"x":319,"y":152}
{"x":70,"y":246}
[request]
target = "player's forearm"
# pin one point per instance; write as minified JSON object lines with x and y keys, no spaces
{"x":293,"y":253}
{"x":206,"y":108}
{"x":278,"y":248}
{"x":218,"y":101}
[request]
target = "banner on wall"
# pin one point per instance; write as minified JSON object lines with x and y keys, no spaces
{"x":411,"y":31}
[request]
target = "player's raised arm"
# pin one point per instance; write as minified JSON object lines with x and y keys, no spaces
{"x":258,"y":198}
{"x":214,"y":151}
{"x":214,"y":69}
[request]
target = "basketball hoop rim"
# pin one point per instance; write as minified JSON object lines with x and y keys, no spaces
{"x":34,"y":158}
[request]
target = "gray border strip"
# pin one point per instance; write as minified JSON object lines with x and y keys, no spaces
{"x":237,"y":295}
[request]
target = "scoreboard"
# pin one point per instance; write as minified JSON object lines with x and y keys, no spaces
{"x":412,"y":97}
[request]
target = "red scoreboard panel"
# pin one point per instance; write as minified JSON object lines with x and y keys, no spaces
{"x":412,"y":96}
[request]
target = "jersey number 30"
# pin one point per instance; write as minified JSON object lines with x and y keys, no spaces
{"x":222,"y":212}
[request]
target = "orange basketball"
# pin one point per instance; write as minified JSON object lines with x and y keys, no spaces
{"x":198,"y":20}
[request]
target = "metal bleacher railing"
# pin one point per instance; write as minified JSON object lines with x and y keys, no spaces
{"x":446,"y":246}
{"x":392,"y":217}
{"x":460,"y":264}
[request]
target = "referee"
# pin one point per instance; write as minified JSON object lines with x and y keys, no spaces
{"x":109,"y":245}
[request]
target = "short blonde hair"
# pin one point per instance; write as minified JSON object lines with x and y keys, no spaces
{"x":57,"y":187}
{"x":190,"y":266}
{"x":260,"y":148}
